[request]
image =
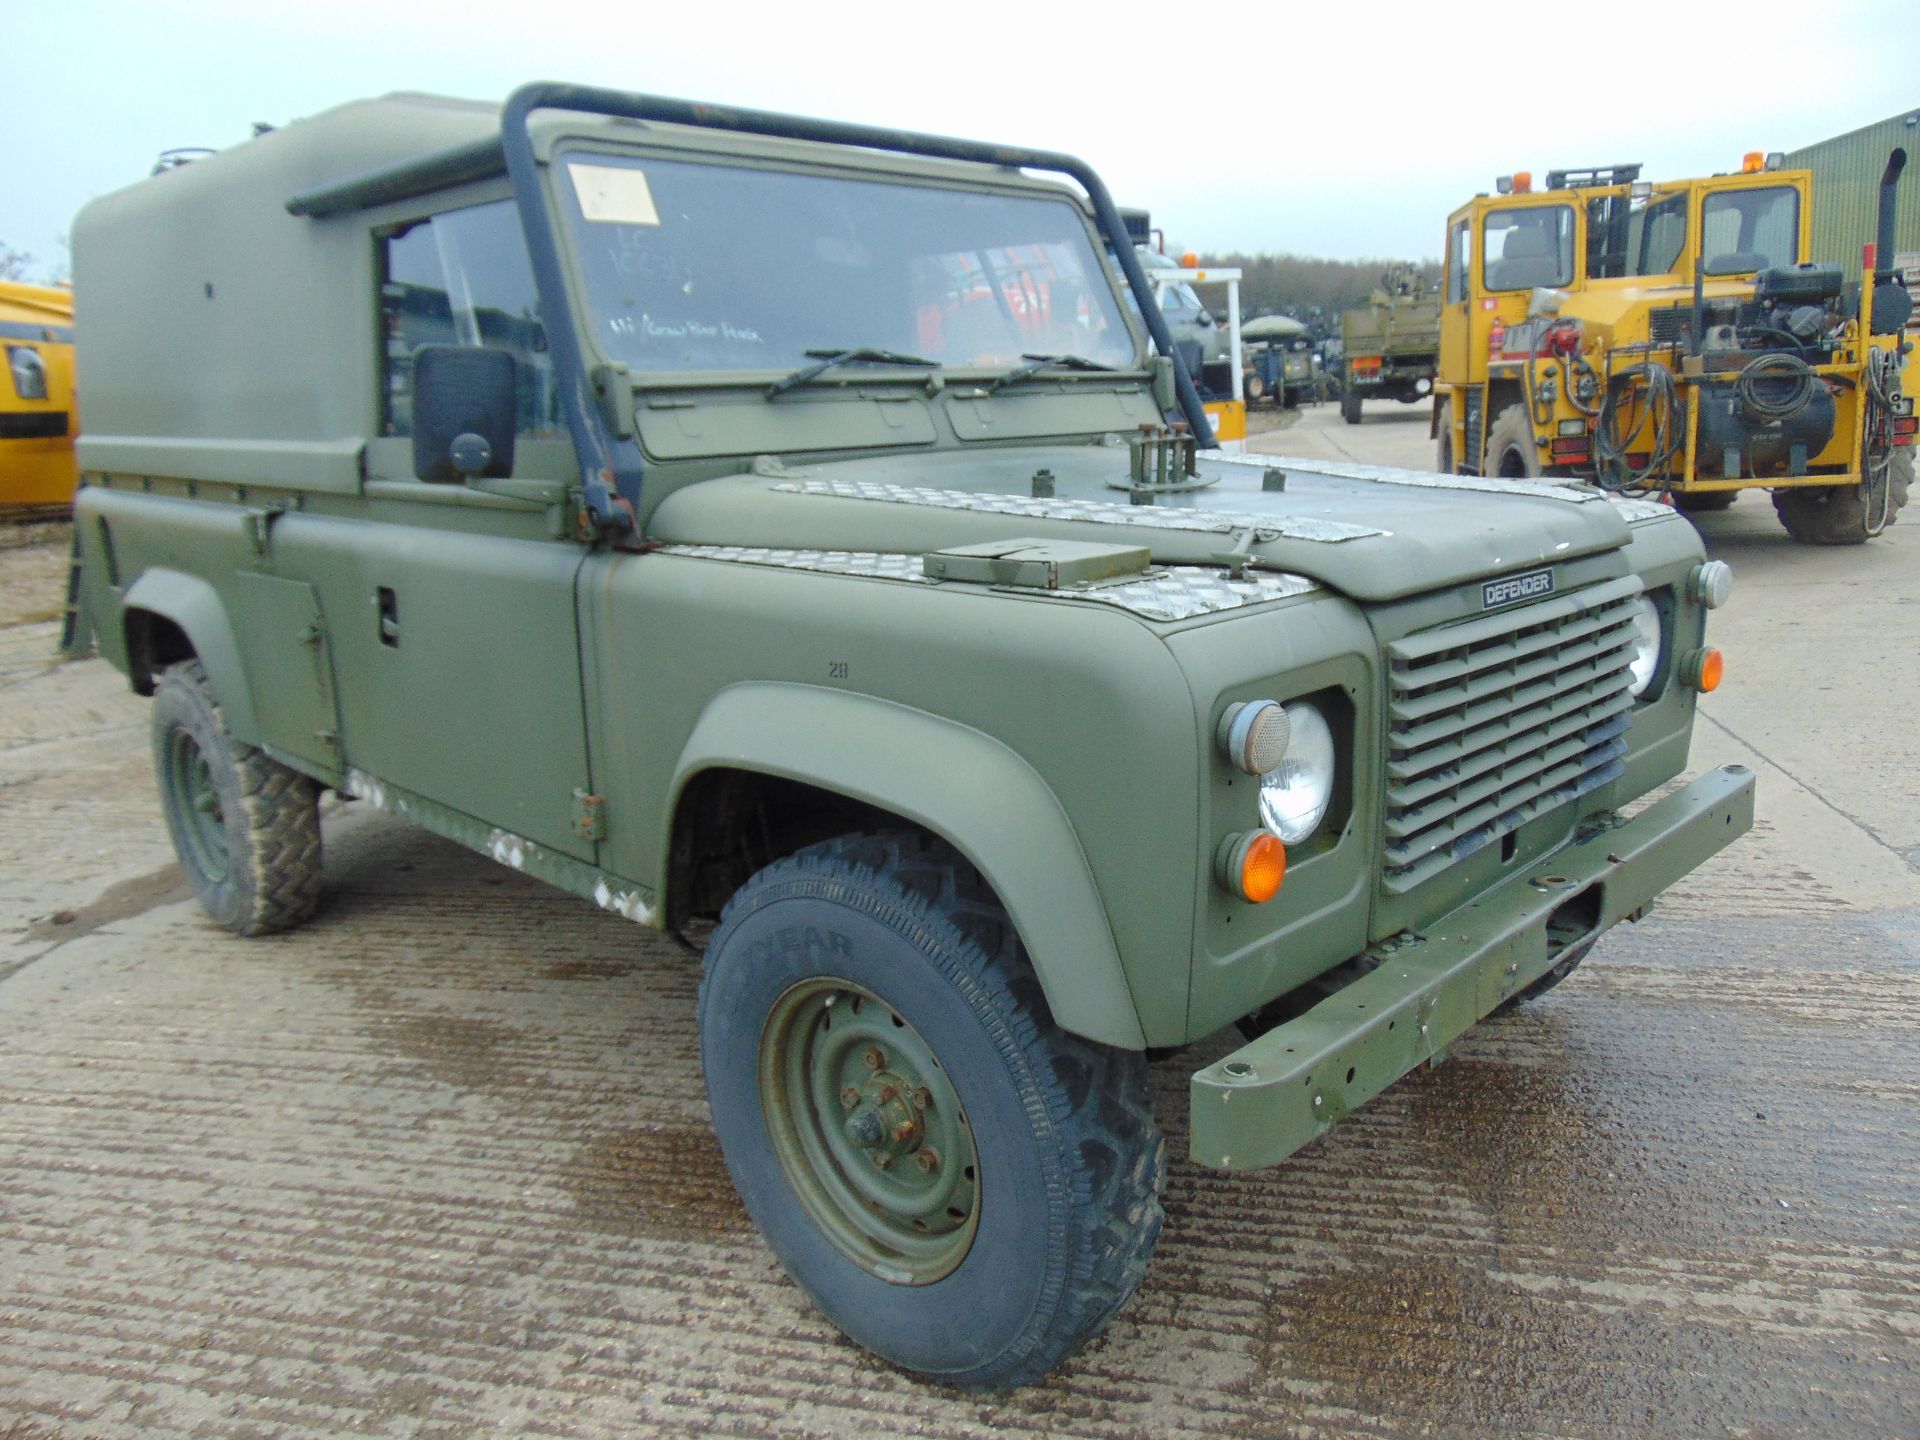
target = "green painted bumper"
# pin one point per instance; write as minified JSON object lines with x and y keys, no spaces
{"x":1263,"y":1102}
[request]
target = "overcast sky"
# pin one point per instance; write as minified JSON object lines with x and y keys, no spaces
{"x":1345,"y":127}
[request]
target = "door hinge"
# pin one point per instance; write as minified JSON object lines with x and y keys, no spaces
{"x":589,"y":816}
{"x":260,"y":526}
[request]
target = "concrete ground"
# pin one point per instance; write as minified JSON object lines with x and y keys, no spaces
{"x":437,"y":1165}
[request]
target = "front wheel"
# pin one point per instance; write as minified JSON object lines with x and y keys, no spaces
{"x":960,"y":1186}
{"x":1846,"y":514}
{"x":1443,"y":444}
{"x":1511,"y":452}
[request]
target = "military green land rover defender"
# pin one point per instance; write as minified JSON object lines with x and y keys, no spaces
{"x":790,"y":525}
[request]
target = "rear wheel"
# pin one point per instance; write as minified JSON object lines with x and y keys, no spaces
{"x":246,"y":828}
{"x":960,"y":1186}
{"x":1511,"y":452}
{"x":1350,"y":408}
{"x":1846,"y":514}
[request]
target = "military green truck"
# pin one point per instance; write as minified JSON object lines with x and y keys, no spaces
{"x":786,"y":526}
{"x":1390,"y":347}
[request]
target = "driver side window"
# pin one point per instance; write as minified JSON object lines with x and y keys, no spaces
{"x":1457,"y":252}
{"x":462,"y":277}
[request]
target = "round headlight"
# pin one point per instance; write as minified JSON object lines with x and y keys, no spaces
{"x":1646,"y":646}
{"x":1294,"y":795}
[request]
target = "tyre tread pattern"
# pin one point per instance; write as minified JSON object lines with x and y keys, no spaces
{"x":1837,"y":514}
{"x":282,"y":818}
{"x":1512,"y":429}
{"x":1093,"y":1098}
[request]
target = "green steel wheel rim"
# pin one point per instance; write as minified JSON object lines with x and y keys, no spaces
{"x":203,"y":823}
{"x":869,"y":1131}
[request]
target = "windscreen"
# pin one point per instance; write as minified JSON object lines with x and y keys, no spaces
{"x":1527,"y":246}
{"x":1743,"y":230}
{"x":693,"y":265}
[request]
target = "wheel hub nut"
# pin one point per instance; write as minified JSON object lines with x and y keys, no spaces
{"x":866,"y":1130}
{"x":874,"y":1058}
{"x":928,"y":1160}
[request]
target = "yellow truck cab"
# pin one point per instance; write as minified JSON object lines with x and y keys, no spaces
{"x":36,"y":400}
{"x":1670,"y":340}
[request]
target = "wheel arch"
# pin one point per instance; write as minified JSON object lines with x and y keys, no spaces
{"x":168,"y":616}
{"x":866,"y":761}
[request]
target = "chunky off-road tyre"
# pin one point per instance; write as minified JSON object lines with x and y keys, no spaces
{"x":1842,"y":514}
{"x":1510,"y":449}
{"x":960,"y":1186}
{"x":1350,"y":408}
{"x":246,"y":828}
{"x":1704,"y":502}
{"x":1443,"y":438}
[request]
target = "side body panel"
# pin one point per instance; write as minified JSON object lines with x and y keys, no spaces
{"x":458,"y":663}
{"x":1085,"y":696}
{"x":959,"y":783}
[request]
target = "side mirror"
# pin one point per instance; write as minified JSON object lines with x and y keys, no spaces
{"x":464,"y":406}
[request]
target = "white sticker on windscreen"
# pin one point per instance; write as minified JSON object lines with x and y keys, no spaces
{"x":613,"y":194}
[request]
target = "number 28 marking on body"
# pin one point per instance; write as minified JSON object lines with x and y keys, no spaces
{"x":836,"y":669}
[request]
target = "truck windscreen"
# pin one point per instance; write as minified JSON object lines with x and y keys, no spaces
{"x":693,"y":266}
{"x":1744,"y":230}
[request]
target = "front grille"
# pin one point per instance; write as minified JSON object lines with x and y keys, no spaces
{"x":1494,"y":721}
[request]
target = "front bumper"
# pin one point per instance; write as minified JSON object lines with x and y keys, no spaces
{"x":1264,"y":1101}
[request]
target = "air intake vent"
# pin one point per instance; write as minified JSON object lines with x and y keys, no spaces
{"x":1494,"y":721}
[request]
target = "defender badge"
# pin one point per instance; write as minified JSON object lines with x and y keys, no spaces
{"x":1530,"y":586}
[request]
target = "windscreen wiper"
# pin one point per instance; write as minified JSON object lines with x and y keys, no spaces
{"x":1036,"y":363}
{"x":831,"y":358}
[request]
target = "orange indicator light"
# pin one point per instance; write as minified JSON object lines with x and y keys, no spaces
{"x":1262,"y":867}
{"x":1705,"y":670}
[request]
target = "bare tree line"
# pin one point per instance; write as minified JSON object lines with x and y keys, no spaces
{"x":1294,"y":284}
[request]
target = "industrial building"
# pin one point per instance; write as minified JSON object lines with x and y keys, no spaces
{"x":1846,"y":186}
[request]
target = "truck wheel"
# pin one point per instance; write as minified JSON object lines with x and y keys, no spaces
{"x":1511,"y":452}
{"x":246,"y":828}
{"x":1256,"y":388}
{"x":1443,"y":443}
{"x":1704,"y":502}
{"x":1350,"y":409}
{"x":960,"y":1186}
{"x":1839,"y":514}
